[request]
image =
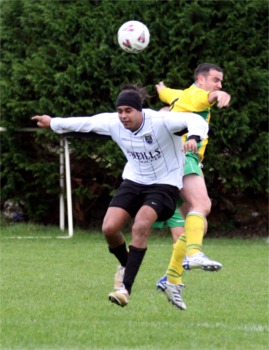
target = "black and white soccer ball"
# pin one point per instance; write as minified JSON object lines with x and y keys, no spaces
{"x":133,"y":36}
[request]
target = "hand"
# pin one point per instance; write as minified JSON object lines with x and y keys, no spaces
{"x":222,"y":98}
{"x":160,"y":86}
{"x":43,"y":121}
{"x":190,"y":145}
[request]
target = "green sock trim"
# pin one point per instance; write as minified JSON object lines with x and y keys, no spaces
{"x":182,"y":239}
{"x":194,"y":246}
{"x":173,"y":273}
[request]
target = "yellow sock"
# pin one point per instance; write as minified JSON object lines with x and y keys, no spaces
{"x":194,"y":229}
{"x":175,"y":270}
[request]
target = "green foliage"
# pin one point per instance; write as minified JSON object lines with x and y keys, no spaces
{"x":62,"y":58}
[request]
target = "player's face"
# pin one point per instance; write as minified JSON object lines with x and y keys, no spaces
{"x":212,"y":82}
{"x":130,"y":117}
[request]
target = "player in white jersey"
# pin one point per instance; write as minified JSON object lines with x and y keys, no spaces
{"x":152,"y":176}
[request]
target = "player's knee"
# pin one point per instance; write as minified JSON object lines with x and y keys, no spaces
{"x":202,"y":206}
{"x":140,"y":228}
{"x":206,"y":206}
{"x":109,"y":229}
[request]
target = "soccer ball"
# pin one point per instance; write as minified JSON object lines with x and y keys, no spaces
{"x":133,"y":36}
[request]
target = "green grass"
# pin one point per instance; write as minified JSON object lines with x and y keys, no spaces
{"x":54,"y":295}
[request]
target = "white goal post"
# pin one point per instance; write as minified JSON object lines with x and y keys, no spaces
{"x":65,"y":182}
{"x":65,"y":150}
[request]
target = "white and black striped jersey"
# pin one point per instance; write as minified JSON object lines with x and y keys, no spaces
{"x":154,"y":153}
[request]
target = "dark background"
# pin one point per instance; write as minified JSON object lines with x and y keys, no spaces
{"x":62,"y":58}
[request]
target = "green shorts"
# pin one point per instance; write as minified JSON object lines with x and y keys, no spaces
{"x":176,"y":220}
{"x":192,"y":164}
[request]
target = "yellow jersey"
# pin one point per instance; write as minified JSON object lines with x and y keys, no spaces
{"x":193,"y":99}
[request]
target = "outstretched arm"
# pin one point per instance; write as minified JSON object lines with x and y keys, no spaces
{"x":98,"y":123}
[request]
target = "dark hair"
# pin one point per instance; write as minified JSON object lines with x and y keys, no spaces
{"x":137,"y":90}
{"x":204,"y":69}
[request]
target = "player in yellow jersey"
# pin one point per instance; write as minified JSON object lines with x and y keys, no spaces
{"x":187,"y":254}
{"x":175,"y":223}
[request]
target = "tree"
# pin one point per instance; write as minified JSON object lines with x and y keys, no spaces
{"x":62,"y":58}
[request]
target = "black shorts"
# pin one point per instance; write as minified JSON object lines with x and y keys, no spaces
{"x":131,"y":196}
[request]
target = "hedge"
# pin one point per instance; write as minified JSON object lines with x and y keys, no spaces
{"x":62,"y":58}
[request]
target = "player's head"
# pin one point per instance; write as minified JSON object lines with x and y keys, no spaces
{"x":131,"y":98}
{"x":129,"y":106}
{"x":135,"y":90}
{"x":208,"y":76}
{"x":204,"y":69}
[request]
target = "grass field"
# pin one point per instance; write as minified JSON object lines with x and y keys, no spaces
{"x":54,"y":296}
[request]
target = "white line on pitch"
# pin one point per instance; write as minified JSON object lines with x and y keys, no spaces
{"x":248,"y":328}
